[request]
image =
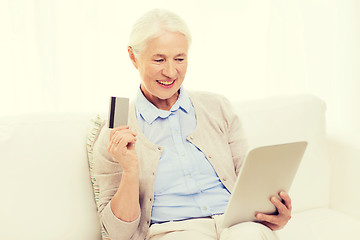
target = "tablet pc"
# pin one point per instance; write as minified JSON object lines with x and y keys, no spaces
{"x":265,"y":172}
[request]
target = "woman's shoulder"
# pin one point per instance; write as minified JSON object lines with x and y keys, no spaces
{"x":210,"y":99}
{"x":213,"y":105}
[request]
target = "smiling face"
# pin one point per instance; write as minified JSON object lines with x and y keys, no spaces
{"x":162,"y":67}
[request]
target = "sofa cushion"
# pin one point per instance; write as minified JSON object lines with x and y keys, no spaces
{"x":45,"y":184}
{"x":94,"y":131}
{"x":288,"y":119}
{"x":319,"y":224}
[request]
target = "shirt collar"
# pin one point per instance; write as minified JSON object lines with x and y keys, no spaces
{"x":150,"y":113}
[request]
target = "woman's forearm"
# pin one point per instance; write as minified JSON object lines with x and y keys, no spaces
{"x":125,"y":203}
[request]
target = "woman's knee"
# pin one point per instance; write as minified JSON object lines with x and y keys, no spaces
{"x":248,"y":231}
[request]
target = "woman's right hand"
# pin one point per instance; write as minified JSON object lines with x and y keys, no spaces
{"x":122,"y":148}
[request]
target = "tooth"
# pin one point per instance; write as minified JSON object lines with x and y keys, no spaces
{"x":166,"y":83}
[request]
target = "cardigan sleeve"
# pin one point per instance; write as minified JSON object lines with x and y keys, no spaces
{"x":236,"y":136}
{"x":107,"y":173}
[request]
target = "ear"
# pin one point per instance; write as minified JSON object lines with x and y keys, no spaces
{"x":132,"y":57}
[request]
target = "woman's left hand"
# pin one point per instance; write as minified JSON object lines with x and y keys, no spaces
{"x":277,"y":222}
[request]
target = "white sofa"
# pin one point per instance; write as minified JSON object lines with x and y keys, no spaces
{"x":46,"y":192}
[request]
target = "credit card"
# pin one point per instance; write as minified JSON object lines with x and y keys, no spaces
{"x":119,"y":111}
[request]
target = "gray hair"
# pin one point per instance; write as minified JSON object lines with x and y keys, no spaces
{"x":152,"y":24}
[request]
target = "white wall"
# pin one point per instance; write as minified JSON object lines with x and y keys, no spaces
{"x":70,"y":55}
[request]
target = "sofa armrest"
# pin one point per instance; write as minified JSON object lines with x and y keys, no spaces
{"x":344,"y":155}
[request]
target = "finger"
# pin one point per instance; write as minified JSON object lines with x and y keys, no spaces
{"x":273,"y":219}
{"x":125,"y":142}
{"x":121,"y":132}
{"x":126,"y":139}
{"x":115,"y":141}
{"x":282,"y":209}
{"x":114,"y":130}
{"x":271,"y":226}
{"x":118,"y":136}
{"x":111,"y":147}
{"x":287,"y":200}
{"x":121,"y":146}
{"x":118,"y":130}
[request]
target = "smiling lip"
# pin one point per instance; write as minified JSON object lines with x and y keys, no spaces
{"x":166,"y":83}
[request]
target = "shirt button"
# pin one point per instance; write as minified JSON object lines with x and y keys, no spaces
{"x":204,"y":208}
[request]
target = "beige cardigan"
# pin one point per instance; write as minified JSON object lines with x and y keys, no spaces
{"x":218,"y":135}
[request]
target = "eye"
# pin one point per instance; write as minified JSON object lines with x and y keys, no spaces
{"x":179,"y":59}
{"x":159,"y":60}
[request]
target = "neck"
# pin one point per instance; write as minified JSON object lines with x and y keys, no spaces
{"x":163,"y":104}
{"x":166,"y":104}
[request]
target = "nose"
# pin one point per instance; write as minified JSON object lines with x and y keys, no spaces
{"x":169,"y":70}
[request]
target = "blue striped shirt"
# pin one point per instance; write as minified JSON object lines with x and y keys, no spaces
{"x":186,"y":184}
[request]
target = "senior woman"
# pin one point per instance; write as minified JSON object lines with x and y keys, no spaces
{"x":170,"y":173}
